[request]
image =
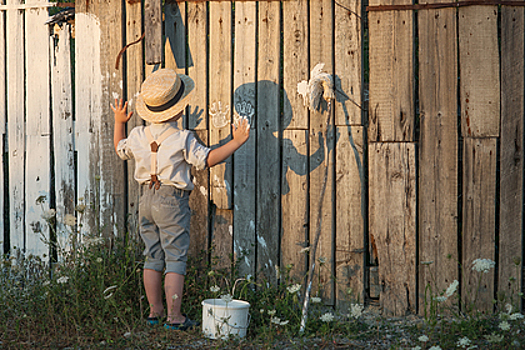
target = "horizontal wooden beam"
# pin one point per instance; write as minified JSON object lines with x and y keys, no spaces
{"x":444,"y":5}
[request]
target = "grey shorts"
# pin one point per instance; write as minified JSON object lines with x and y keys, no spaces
{"x":164,"y":218}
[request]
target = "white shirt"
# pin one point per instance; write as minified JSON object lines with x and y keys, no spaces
{"x":175,"y":155}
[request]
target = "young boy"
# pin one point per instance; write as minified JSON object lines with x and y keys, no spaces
{"x":163,"y":158}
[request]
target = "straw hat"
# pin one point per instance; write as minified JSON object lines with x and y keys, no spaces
{"x":163,"y":95}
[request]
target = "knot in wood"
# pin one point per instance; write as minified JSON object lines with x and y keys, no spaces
{"x":154,"y":147}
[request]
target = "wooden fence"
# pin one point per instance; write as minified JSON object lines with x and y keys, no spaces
{"x":425,"y":172}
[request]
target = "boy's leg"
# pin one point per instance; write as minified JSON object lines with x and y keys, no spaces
{"x":153,"y":286}
{"x":173,"y":287}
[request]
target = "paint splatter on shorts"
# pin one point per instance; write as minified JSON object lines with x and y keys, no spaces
{"x":164,"y":218}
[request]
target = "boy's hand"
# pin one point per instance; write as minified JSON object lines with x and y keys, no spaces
{"x":120,"y":112}
{"x":242,"y":131}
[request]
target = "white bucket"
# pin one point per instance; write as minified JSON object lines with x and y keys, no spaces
{"x":221,"y":319}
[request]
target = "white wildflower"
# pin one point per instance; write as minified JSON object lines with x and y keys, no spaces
{"x":509,"y":308}
{"x":463,"y":342}
{"x":440,"y":298}
{"x":483,"y":265}
{"x":294,"y":288}
{"x":515,"y":316}
{"x":272,"y":312}
{"x":46,"y":283}
{"x":417,"y":347}
{"x":356,"y":310}
{"x":504,"y":326}
{"x":278,"y":321}
{"x":226,"y":298}
{"x":174,"y":297}
{"x":261,"y":311}
{"x":127,"y":334}
{"x":435,"y":347}
{"x":305,"y":250}
{"x":423,"y":338}
{"x":328,"y":317}
{"x":63,"y":280}
{"x":315,"y":300}
{"x":70,"y":220}
{"x":99,"y":260}
{"x":452,"y":288}
{"x":494,"y":338}
{"x":49,"y":214}
{"x":215,"y":289}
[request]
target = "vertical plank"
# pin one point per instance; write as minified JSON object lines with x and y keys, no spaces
{"x":438,"y":159}
{"x":111,"y":195}
{"x":479,"y":196}
{"x":511,"y":156}
{"x":391,"y":106}
{"x":134,"y":78}
{"x":38,"y":163}
{"x":347,"y":68}
{"x":479,"y":67}
{"x":294,"y":202}
{"x":244,"y":190}
{"x":153,"y":30}
{"x":220,"y":98}
{"x":393,"y":186}
{"x":200,"y":242}
{"x":88,"y":109}
{"x":295,"y":62}
{"x":15,"y":122}
{"x":321,"y":51}
{"x":3,"y":159}
{"x":350,"y":213}
{"x":197,"y":61}
{"x":175,"y":36}
{"x":268,"y":145}
{"x":63,"y":140}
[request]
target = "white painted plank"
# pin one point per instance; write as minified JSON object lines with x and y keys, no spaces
{"x":2,"y":124}
{"x":38,"y":163}
{"x":15,"y":126}
{"x":88,"y":97}
{"x":63,"y":145}
{"x":244,"y":159}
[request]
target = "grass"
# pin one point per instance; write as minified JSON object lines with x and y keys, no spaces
{"x":93,"y":298}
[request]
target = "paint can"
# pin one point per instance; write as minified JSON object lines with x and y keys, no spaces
{"x":221,"y":319}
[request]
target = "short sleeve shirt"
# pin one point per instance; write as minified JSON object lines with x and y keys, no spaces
{"x":175,"y":156}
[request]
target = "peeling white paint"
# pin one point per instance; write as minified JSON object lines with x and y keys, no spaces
{"x":236,"y":207}
{"x":203,"y":191}
{"x":226,"y":185}
{"x":116,"y":95}
{"x":261,"y":241}
{"x":247,"y":261}
{"x":230,"y":229}
{"x":219,"y":114}
{"x":252,"y":225}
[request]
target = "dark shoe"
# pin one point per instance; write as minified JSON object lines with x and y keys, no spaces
{"x":187,"y":324}
{"x":153,"y":321}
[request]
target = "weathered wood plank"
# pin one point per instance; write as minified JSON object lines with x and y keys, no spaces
{"x":112,"y":181}
{"x":479,"y":216}
{"x":15,"y":123}
{"x":295,"y":62}
{"x":88,"y":109}
{"x":511,"y":155}
{"x":134,"y":78}
{"x":348,"y":47}
{"x":438,"y":158}
{"x":393,"y":223}
{"x":322,"y":51}
{"x":350,"y":209}
{"x":220,"y":97}
{"x":63,"y":137}
{"x":391,"y":106}
{"x":197,"y":62}
{"x":38,"y":163}
{"x":200,"y":240}
{"x":153,"y":30}
{"x":268,"y":145}
{"x":3,"y":160}
{"x":294,"y":202}
{"x":479,"y":67}
{"x":244,"y":190}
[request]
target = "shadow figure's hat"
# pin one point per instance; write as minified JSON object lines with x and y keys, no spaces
{"x":163,"y":95}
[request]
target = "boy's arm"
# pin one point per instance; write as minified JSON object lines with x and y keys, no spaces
{"x":121,"y":118}
{"x":240,"y":135}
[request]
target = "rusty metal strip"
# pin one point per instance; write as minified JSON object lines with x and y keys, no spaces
{"x":443,"y":5}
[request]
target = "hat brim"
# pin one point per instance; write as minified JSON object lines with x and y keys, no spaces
{"x":159,"y":117}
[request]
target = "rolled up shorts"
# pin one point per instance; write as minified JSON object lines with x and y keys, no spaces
{"x":164,"y":218}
